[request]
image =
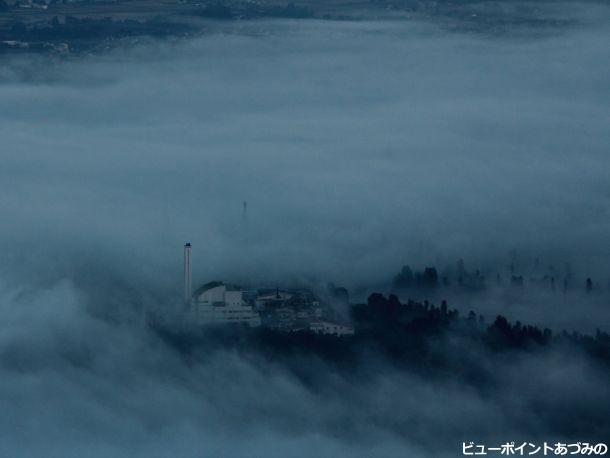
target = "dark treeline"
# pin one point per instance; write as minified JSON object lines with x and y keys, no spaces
{"x":382,"y":316}
{"x":421,"y":343}
{"x":419,"y":336}
{"x":515,"y":275}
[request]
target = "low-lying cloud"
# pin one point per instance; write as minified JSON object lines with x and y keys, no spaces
{"x":358,"y":146}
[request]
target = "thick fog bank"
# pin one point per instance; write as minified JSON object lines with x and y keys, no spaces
{"x":358,"y":147}
{"x":74,"y":384}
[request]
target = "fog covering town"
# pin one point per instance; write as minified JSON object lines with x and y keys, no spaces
{"x":360,"y":145}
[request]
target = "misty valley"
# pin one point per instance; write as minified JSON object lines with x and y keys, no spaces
{"x":304,"y":229}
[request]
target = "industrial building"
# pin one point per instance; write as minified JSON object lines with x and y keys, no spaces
{"x":283,"y":310}
{"x":216,"y":302}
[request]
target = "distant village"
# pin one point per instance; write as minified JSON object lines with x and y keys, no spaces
{"x":77,"y":26}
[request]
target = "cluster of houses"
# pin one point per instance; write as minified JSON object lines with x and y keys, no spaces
{"x":283,"y":310}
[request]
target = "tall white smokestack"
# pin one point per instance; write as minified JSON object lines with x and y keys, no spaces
{"x":188,"y":277}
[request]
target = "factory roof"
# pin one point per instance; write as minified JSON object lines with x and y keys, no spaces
{"x":202,"y":289}
{"x":214,"y":284}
